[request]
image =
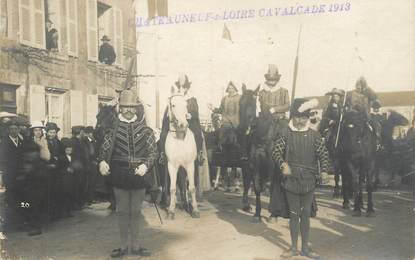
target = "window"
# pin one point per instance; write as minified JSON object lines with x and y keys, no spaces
{"x":72,"y":26}
{"x":32,"y":23}
{"x":54,"y":108}
{"x":92,"y":30}
{"x":53,"y":24}
{"x":110,"y":24}
{"x":3,"y":18}
{"x":8,"y":98}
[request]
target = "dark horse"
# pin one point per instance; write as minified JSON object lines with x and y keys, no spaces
{"x":256,"y":129}
{"x":357,"y":156}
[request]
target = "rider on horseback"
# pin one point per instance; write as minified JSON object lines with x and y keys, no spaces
{"x":362,"y":99}
{"x":183,"y":84}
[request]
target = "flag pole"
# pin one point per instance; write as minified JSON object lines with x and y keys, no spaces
{"x":296,"y":66}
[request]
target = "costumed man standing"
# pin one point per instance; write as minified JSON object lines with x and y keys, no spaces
{"x":329,"y":129}
{"x":297,"y":153}
{"x":274,"y":100}
{"x":127,"y":155}
{"x":228,"y":132}
{"x":192,"y":118}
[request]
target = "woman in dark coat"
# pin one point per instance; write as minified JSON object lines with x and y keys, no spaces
{"x":33,"y":175}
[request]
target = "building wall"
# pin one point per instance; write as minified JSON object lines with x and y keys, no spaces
{"x":77,"y":81}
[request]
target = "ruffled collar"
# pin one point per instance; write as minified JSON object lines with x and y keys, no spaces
{"x":294,"y":129}
{"x":270,"y":89}
{"x":125,"y":120}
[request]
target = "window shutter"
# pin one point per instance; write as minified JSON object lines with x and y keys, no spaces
{"x":77,"y":108}
{"x":92,"y":30}
{"x":37,"y":102}
{"x":39,"y":37}
{"x":72,"y":26}
{"x":118,"y":39}
{"x":92,"y":110}
{"x":25,"y":27}
{"x":63,"y":34}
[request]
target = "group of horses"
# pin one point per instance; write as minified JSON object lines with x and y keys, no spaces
{"x":356,"y":148}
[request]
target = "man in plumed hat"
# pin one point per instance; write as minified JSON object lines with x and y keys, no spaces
{"x":183,"y":84}
{"x":127,"y":155}
{"x":297,"y":152}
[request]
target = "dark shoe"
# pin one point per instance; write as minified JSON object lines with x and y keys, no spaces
{"x":35,"y":232}
{"x":310,"y":254}
{"x":290,"y":253}
{"x":119,"y":252}
{"x":141,"y":252}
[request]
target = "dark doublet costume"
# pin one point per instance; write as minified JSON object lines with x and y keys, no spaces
{"x":125,"y":147}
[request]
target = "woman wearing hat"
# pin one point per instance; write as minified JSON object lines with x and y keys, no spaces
{"x":297,"y":153}
{"x":54,"y":176}
{"x":32,"y":173}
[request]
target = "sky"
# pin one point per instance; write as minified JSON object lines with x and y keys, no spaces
{"x":374,"y":39}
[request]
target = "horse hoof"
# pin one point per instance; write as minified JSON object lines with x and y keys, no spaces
{"x":256,"y":219}
{"x":246,"y":209}
{"x":370,"y":214}
{"x":356,"y":213}
{"x":195,"y":214}
{"x":170,"y":215}
{"x":346,"y":206}
{"x":272,"y":220}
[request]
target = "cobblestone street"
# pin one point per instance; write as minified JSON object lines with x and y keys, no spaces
{"x":226,"y":232}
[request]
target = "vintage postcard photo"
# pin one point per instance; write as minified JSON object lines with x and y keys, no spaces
{"x":207,"y":129}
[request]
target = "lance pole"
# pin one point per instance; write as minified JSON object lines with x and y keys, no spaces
{"x":296,"y":67}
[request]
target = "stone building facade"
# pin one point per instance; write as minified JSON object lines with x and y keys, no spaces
{"x":65,"y":84}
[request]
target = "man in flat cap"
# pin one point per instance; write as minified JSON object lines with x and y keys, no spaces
{"x":127,"y":155}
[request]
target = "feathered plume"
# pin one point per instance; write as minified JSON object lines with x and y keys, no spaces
{"x":313,"y":103}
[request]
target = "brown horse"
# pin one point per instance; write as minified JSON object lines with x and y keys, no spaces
{"x":357,"y":156}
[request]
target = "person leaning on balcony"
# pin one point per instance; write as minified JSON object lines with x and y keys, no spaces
{"x":106,"y":51}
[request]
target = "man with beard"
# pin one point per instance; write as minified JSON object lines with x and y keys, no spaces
{"x":127,"y":155}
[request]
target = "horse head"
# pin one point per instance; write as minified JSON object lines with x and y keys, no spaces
{"x":177,"y":113}
{"x":247,"y":107}
{"x":357,"y":134}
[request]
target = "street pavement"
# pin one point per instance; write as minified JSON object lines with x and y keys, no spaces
{"x":225,"y":232}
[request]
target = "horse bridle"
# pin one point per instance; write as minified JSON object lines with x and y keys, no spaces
{"x":172,"y":118}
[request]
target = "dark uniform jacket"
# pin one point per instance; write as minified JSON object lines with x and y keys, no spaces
{"x":9,"y":159}
{"x":125,"y":147}
{"x":106,"y":54}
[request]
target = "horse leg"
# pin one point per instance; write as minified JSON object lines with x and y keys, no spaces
{"x":370,"y":188}
{"x":246,"y":178}
{"x":190,"y":170}
{"x":336,"y":192}
{"x":356,"y":182}
{"x":173,"y":171}
{"x":218,"y":172}
{"x":257,"y":216}
{"x":237,"y":179}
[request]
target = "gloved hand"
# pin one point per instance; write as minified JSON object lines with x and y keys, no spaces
{"x":104,"y":168}
{"x":141,"y":170}
{"x":162,"y":159}
{"x":285,"y":169}
{"x":324,"y":178}
{"x":188,"y":116}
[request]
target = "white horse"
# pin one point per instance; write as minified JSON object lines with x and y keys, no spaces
{"x":180,"y":150}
